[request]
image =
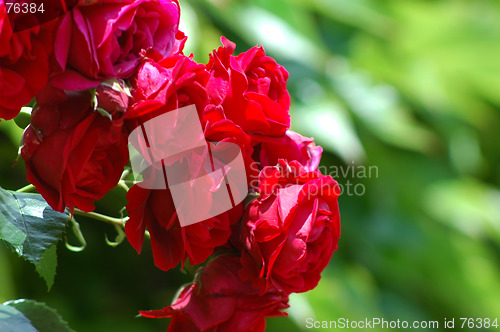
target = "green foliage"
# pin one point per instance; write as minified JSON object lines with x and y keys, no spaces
{"x":40,"y":316}
{"x":30,"y":226}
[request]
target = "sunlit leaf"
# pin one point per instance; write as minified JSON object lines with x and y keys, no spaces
{"x":31,"y":227}
{"x":43,"y":318}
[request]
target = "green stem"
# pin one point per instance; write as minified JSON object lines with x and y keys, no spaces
{"x":122,"y":185}
{"x":79,"y":235}
{"x":101,"y":217}
{"x":120,"y":222}
{"x":26,"y":189}
{"x":128,"y":183}
{"x":125,"y":174}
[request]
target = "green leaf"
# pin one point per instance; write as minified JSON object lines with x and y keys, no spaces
{"x":12,"y":320}
{"x":43,"y":318}
{"x":10,"y":233}
{"x":47,"y":266}
{"x":30,"y":226}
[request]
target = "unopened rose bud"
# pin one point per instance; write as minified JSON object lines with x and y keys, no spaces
{"x":113,"y":96}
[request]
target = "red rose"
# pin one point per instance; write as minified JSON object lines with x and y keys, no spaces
{"x":73,"y":154}
{"x":251,"y":87}
{"x":292,"y":146}
{"x":291,"y":231}
{"x":24,"y":67}
{"x":220,"y":301}
{"x":103,"y":39}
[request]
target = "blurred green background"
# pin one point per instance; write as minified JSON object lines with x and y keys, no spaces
{"x":410,"y":87}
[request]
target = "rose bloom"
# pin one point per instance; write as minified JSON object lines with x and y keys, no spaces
{"x":251,"y":87}
{"x":73,"y":154}
{"x":103,"y":39}
{"x":24,"y":66}
{"x":291,"y":231}
{"x":220,"y":301}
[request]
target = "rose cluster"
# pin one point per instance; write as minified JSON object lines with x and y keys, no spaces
{"x":107,"y":67}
